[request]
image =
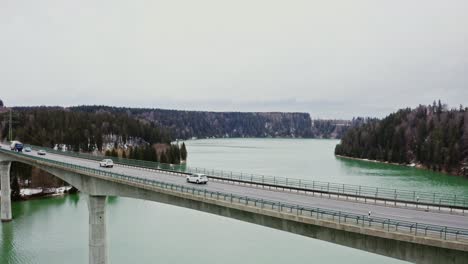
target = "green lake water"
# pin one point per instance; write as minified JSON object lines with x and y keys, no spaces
{"x":55,"y":230}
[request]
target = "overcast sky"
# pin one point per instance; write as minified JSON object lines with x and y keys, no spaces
{"x":331,"y":58}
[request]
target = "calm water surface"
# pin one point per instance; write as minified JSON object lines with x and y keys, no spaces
{"x":55,"y":230}
{"x":313,"y":159}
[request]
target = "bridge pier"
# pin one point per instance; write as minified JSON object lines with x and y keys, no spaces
{"x":97,"y":230}
{"x":5,"y":191}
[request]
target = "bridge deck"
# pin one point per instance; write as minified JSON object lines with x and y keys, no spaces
{"x":401,"y":214}
{"x":433,"y":201}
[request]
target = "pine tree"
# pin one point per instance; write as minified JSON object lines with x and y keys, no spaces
{"x":183,"y":152}
{"x":15,"y":189}
{"x":163,"y":157}
{"x":99,"y":140}
{"x":140,"y":154}
{"x":439,"y":108}
{"x":174,"y":154}
{"x":152,"y":154}
{"x":132,"y":153}
{"x":169,"y":156}
{"x":114,"y":153}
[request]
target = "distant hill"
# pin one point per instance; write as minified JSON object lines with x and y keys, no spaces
{"x":199,"y":124}
{"x":430,"y":136}
{"x":333,"y":128}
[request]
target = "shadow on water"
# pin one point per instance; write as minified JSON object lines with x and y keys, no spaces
{"x":29,"y":207}
{"x":73,"y":199}
{"x":112,"y":200}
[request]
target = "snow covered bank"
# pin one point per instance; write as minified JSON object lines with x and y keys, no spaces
{"x":36,"y":192}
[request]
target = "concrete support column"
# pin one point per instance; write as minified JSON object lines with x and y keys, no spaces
{"x":5,"y":191}
{"x":97,"y":230}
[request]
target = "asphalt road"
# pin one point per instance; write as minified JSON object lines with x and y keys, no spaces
{"x":443,"y":219}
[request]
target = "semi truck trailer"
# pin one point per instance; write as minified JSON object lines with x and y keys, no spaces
{"x":16,"y":146}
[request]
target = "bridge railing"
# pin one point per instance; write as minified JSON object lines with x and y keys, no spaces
{"x":387,"y":224}
{"x":413,"y":196}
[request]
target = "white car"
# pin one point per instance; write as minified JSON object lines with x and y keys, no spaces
{"x":106,"y":163}
{"x":197,"y":178}
{"x":41,"y":152}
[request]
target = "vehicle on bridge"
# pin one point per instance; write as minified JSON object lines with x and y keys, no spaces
{"x":41,"y":152}
{"x":198,"y":178}
{"x":106,"y":163}
{"x":16,"y":146}
{"x":27,"y":149}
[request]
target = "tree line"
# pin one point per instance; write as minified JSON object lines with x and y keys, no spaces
{"x":333,"y":128}
{"x":173,"y":154}
{"x":79,"y":131}
{"x":432,"y":135}
{"x":204,"y":124}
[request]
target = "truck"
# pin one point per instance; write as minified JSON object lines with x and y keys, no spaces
{"x":16,"y":146}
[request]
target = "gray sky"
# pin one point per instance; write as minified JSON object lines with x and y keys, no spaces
{"x":334,"y":59}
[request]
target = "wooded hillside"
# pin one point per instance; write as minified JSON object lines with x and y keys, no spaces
{"x":47,"y":126}
{"x":200,"y":124}
{"x":433,"y":136}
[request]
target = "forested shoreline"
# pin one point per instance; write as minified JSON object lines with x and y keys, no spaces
{"x":431,"y":136}
{"x":47,"y":126}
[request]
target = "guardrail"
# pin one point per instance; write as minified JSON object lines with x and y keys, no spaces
{"x":387,"y":224}
{"x":393,"y":195}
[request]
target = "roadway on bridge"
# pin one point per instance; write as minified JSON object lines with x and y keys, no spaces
{"x":402,"y":214}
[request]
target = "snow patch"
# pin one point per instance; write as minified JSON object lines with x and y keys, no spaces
{"x":48,"y":191}
{"x":30,"y":191}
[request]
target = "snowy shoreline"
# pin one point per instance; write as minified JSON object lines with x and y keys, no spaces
{"x":31,"y":193}
{"x":411,"y":165}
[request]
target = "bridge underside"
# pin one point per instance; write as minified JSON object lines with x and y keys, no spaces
{"x":389,"y":246}
{"x":413,"y":252}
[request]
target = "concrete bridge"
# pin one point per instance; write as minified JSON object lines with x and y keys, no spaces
{"x":407,"y":233}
